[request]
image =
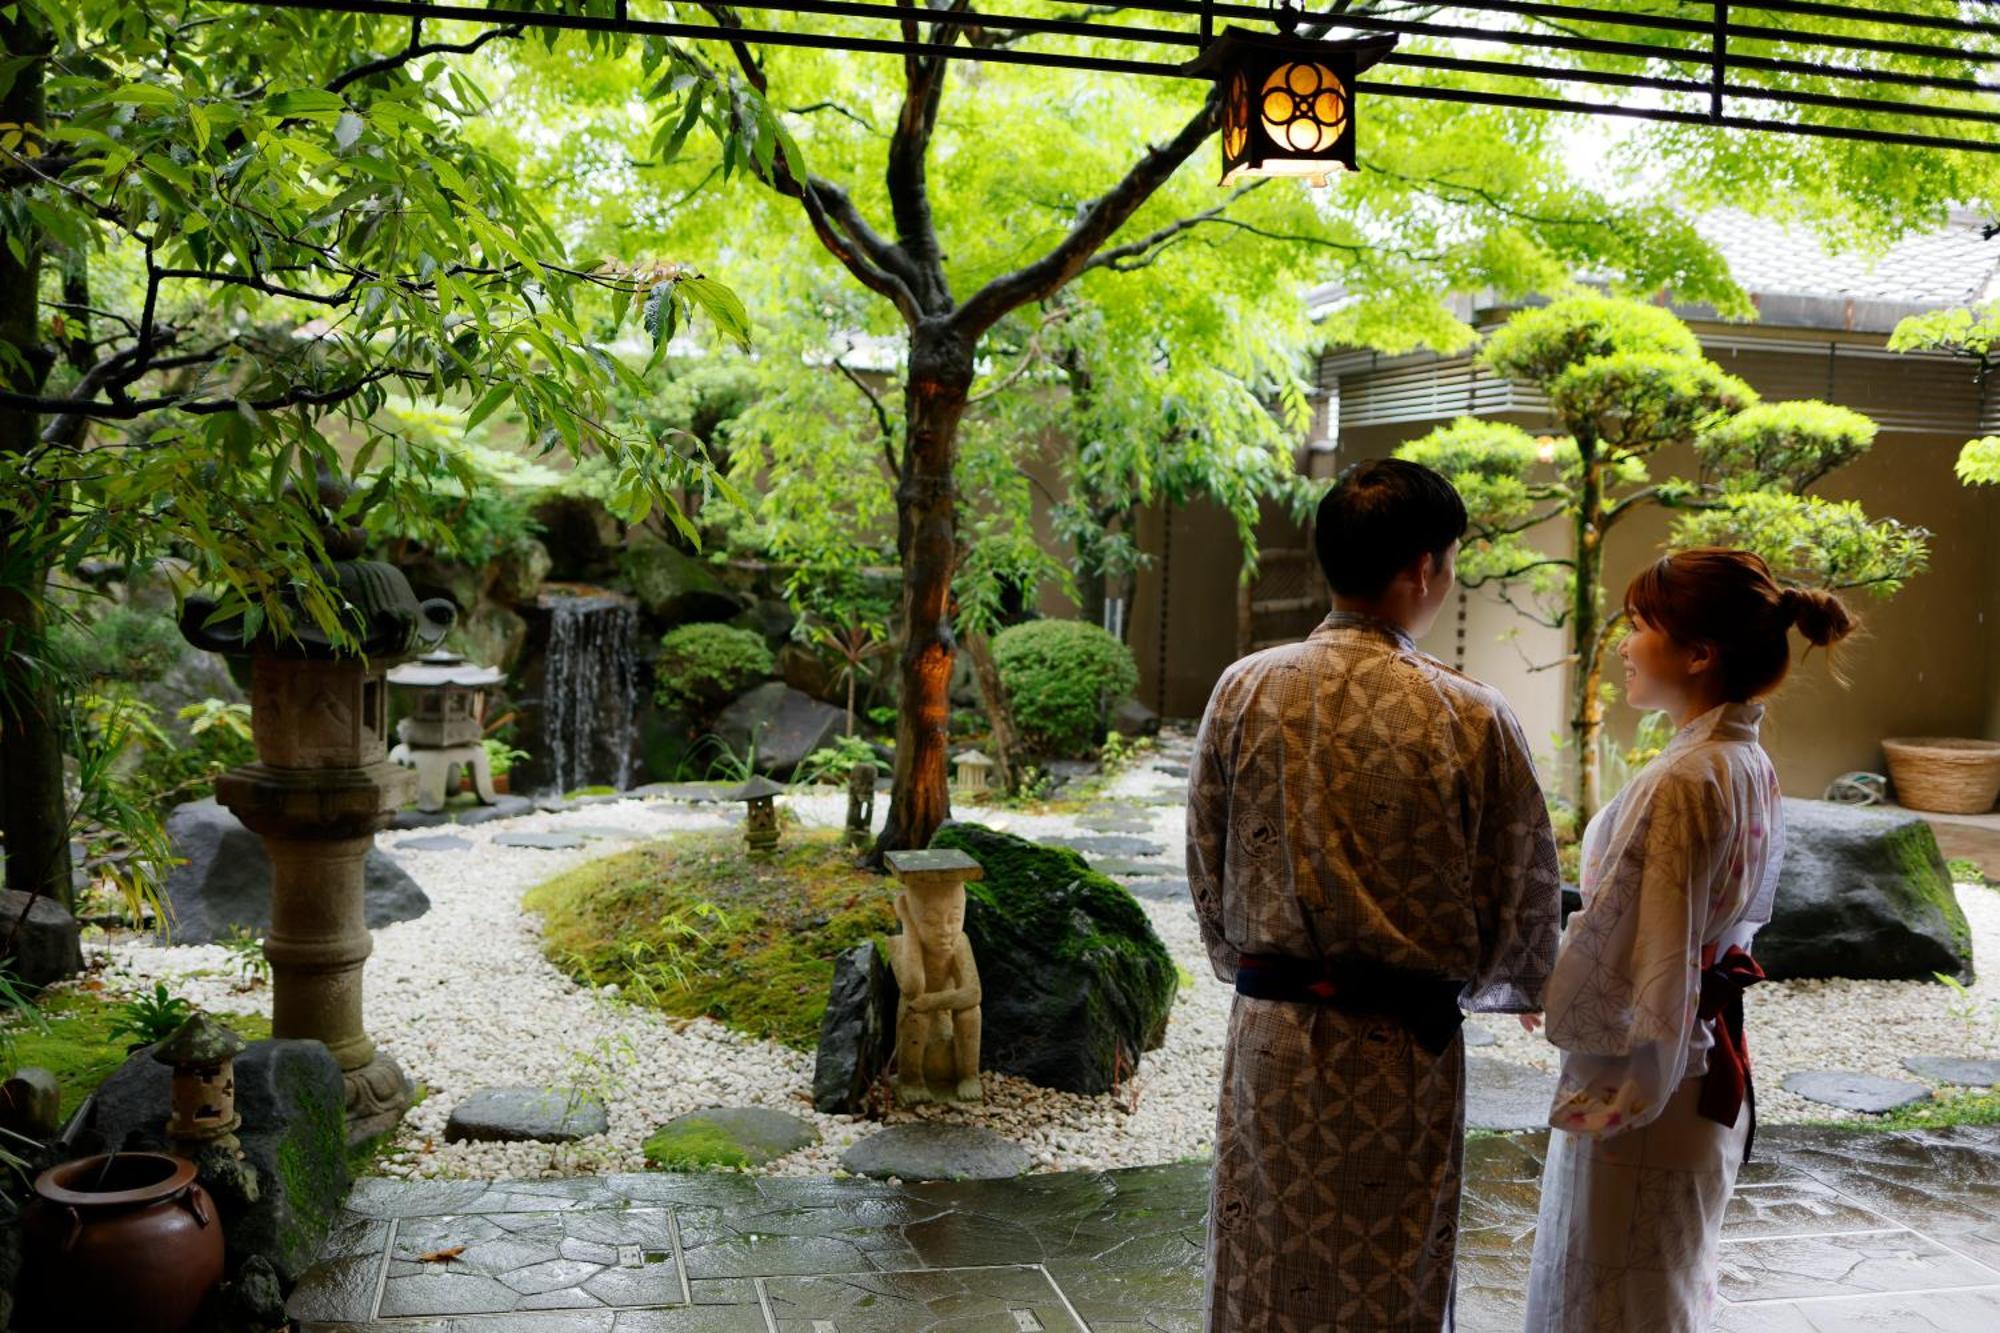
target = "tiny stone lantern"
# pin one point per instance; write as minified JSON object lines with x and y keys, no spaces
{"x":443,"y":734}
{"x":938,"y":1006}
{"x":320,"y":788}
{"x":974,"y":772}
{"x":860,"y":804}
{"x":202,"y":1054}
{"x":760,"y":824}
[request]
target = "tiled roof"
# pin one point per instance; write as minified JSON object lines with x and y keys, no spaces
{"x":1946,"y":267}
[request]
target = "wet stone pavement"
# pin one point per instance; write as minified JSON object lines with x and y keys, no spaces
{"x":1830,"y":1231}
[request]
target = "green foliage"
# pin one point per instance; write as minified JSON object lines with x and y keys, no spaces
{"x":694,"y":927}
{"x":1538,"y":345}
{"x":1642,"y":402}
{"x":702,"y":667}
{"x":501,"y":757}
{"x":1811,"y":541}
{"x":19,"y":1010}
{"x":1966,"y":871}
{"x":832,"y":763}
{"x":75,"y":1041}
{"x":1060,"y":676}
{"x":122,"y":644}
{"x":246,"y":952}
{"x":1782,"y":446}
{"x":1979,"y":461}
{"x":149,"y":1017}
{"x":1120,"y":752}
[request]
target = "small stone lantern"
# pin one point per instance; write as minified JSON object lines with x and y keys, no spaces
{"x":860,"y":804}
{"x":760,"y":824}
{"x":321,"y":786}
{"x":443,"y":734}
{"x":202,"y":1054}
{"x":974,"y":772}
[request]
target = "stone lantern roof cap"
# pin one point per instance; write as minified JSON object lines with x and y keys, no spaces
{"x":199,"y":1041}
{"x":932,"y":861}
{"x":973,"y":757}
{"x":441,"y":668}
{"x":756,"y":789}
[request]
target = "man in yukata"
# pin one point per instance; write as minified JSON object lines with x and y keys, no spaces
{"x":1370,"y":854}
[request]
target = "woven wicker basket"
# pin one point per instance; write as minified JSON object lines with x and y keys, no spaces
{"x":1943,"y":775}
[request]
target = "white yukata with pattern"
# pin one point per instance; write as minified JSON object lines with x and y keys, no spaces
{"x":1679,"y":868}
{"x":1352,"y":796}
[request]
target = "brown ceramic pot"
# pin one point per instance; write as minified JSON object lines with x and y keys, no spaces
{"x":127,"y":1242}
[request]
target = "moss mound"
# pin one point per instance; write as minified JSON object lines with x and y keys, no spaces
{"x":78,"y":1047}
{"x":1076,"y":983}
{"x":692,"y":926}
{"x":695,"y":1146}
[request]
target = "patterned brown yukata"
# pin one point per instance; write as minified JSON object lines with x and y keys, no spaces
{"x":1353,"y":796}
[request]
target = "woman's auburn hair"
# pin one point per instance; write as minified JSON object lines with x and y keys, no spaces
{"x":1730,"y":600}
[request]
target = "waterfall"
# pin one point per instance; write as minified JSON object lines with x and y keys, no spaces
{"x":590,"y":700}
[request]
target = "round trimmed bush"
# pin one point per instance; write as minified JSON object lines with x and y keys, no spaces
{"x":702,"y":667}
{"x":1060,"y":676}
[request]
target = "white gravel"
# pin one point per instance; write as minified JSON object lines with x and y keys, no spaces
{"x":463,"y":999}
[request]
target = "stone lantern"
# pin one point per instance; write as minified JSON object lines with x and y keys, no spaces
{"x":760,"y":824}
{"x":443,"y":733}
{"x":860,"y":804}
{"x":322,"y":785}
{"x":202,"y":1054}
{"x":974,"y":772}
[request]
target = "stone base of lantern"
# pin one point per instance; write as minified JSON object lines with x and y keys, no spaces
{"x":435,"y":768}
{"x":377,"y":1095}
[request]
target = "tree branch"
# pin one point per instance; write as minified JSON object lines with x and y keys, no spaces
{"x":882,"y":421}
{"x":1096,"y":223}
{"x":417,"y":50}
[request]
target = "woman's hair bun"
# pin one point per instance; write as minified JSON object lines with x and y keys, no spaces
{"x":1820,"y":616}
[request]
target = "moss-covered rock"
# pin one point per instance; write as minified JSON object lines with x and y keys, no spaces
{"x":1076,"y":983}
{"x":1863,"y":894}
{"x":727,"y":1138}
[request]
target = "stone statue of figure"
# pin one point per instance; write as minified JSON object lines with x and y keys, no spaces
{"x":937,"y":1015}
{"x":860,"y":804}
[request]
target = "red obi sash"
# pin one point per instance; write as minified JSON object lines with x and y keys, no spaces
{"x":1727,"y":1085}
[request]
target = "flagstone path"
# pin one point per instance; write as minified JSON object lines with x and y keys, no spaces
{"x":1830,"y":1231}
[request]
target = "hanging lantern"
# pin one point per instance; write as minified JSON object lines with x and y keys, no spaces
{"x":1287,"y":102}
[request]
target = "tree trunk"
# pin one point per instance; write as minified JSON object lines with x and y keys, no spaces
{"x":1586,"y":703}
{"x":999,"y":711}
{"x":1090,"y":598}
{"x":940,"y":377}
{"x":33,"y":816}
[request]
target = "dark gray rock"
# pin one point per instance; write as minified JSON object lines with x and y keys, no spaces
{"x":226,"y":880}
{"x":1964,"y":1073}
{"x":539,"y":842}
{"x":519,"y":1115}
{"x":250,"y":1301}
{"x":1505,"y":1096}
{"x":519,"y":570}
{"x":1108,"y":844}
{"x":1076,"y":984}
{"x":728,"y":1136}
{"x":771,"y":618}
{"x":1163,"y":889}
{"x":434,"y":842}
{"x":782,"y":723}
{"x":507,"y":807}
{"x":414,"y":818}
{"x":1855,"y":1092}
{"x":1863,"y":894}
{"x":1477,"y":1036}
{"x":294,"y":1137}
{"x":676,"y":587}
{"x":857,"y":1034}
{"x":1132,"y":718}
{"x":47,"y":946}
{"x":928,"y":1151}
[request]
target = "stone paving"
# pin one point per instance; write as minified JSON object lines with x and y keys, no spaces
{"x":1830,"y":1231}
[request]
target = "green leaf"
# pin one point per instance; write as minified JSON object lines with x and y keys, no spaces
{"x":305,"y":103}
{"x":721,"y":305}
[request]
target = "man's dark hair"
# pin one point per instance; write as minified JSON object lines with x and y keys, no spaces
{"x":1379,"y":518}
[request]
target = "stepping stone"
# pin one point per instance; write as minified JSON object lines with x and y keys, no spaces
{"x":927,"y":1151}
{"x":540,"y":842}
{"x":505,"y":808}
{"x":434,"y":842}
{"x":600,"y":831}
{"x":1502,"y":1095}
{"x":727,"y":1136}
{"x":523,"y":1115}
{"x":1171,"y":770}
{"x":554,"y":805}
{"x":1478,"y":1036}
{"x":1108,"y":845}
{"x":1855,"y":1092}
{"x":1159,"y":890}
{"x":1124,"y":867}
{"x":1965,"y":1073}
{"x":413,"y":818}
{"x":1115,"y":819}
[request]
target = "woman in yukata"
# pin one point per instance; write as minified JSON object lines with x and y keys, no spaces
{"x":1653,"y":1112}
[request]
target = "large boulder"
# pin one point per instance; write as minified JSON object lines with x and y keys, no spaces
{"x":769,"y":617}
{"x":675,"y":587}
{"x":278,"y":1200}
{"x":857,"y":1036}
{"x":490,"y":634}
{"x":1864,"y":894}
{"x":784,"y":725}
{"x":46,"y":946}
{"x":1076,"y":984}
{"x":225,"y":879}
{"x":518,"y":572}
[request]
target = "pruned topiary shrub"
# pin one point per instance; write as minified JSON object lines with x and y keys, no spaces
{"x":702,"y":667}
{"x":1060,"y":677}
